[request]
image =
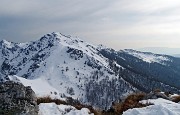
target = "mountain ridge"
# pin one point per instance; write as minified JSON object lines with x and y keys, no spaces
{"x":71,"y":67}
{"x":161,"y":50}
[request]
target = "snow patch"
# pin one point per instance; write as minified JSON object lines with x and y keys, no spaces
{"x":160,"y":107}
{"x":39,"y":86}
{"x":147,"y":57}
{"x":53,"y":109}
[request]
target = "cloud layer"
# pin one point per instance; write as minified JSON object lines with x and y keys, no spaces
{"x":115,"y":23}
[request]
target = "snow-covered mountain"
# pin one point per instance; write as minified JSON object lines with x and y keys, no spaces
{"x":64,"y":66}
{"x":147,"y":70}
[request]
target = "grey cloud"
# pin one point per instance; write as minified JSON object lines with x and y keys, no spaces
{"x":112,"y":22}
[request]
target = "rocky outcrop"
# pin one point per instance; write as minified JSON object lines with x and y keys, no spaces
{"x":156,"y":95}
{"x":16,"y":99}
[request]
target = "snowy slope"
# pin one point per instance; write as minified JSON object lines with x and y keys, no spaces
{"x":62,"y":64}
{"x":53,"y":109}
{"x":147,"y":56}
{"x":41,"y":87}
{"x":160,"y":107}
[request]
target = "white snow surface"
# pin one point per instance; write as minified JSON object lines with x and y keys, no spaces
{"x":160,"y":107}
{"x":147,"y":57}
{"x":41,"y":87}
{"x":53,"y":109}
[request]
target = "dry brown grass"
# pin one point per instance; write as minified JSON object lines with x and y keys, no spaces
{"x":176,"y":99}
{"x":91,"y":109}
{"x":132,"y":101}
{"x":97,"y":112}
{"x":167,"y":93}
{"x":48,"y":99}
{"x":69,"y":101}
{"x":157,"y":90}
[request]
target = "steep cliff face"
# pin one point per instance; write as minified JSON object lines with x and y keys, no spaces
{"x":16,"y":99}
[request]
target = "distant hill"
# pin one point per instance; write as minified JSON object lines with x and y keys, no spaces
{"x":176,"y":55}
{"x":162,"y":50}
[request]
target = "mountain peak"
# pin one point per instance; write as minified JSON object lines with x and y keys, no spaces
{"x":101,"y":46}
{"x":6,"y":43}
{"x":61,"y":38}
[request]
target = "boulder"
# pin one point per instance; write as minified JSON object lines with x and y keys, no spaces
{"x":16,"y":99}
{"x":156,"y":95}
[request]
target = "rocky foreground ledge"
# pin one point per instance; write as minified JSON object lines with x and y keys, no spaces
{"x":16,"y":99}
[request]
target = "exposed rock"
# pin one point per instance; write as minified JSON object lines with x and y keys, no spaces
{"x":16,"y":99}
{"x":156,"y":95}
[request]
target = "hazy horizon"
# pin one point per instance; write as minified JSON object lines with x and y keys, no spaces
{"x":161,"y":50}
{"x":117,"y":24}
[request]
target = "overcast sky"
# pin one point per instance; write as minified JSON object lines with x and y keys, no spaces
{"x":115,"y":23}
